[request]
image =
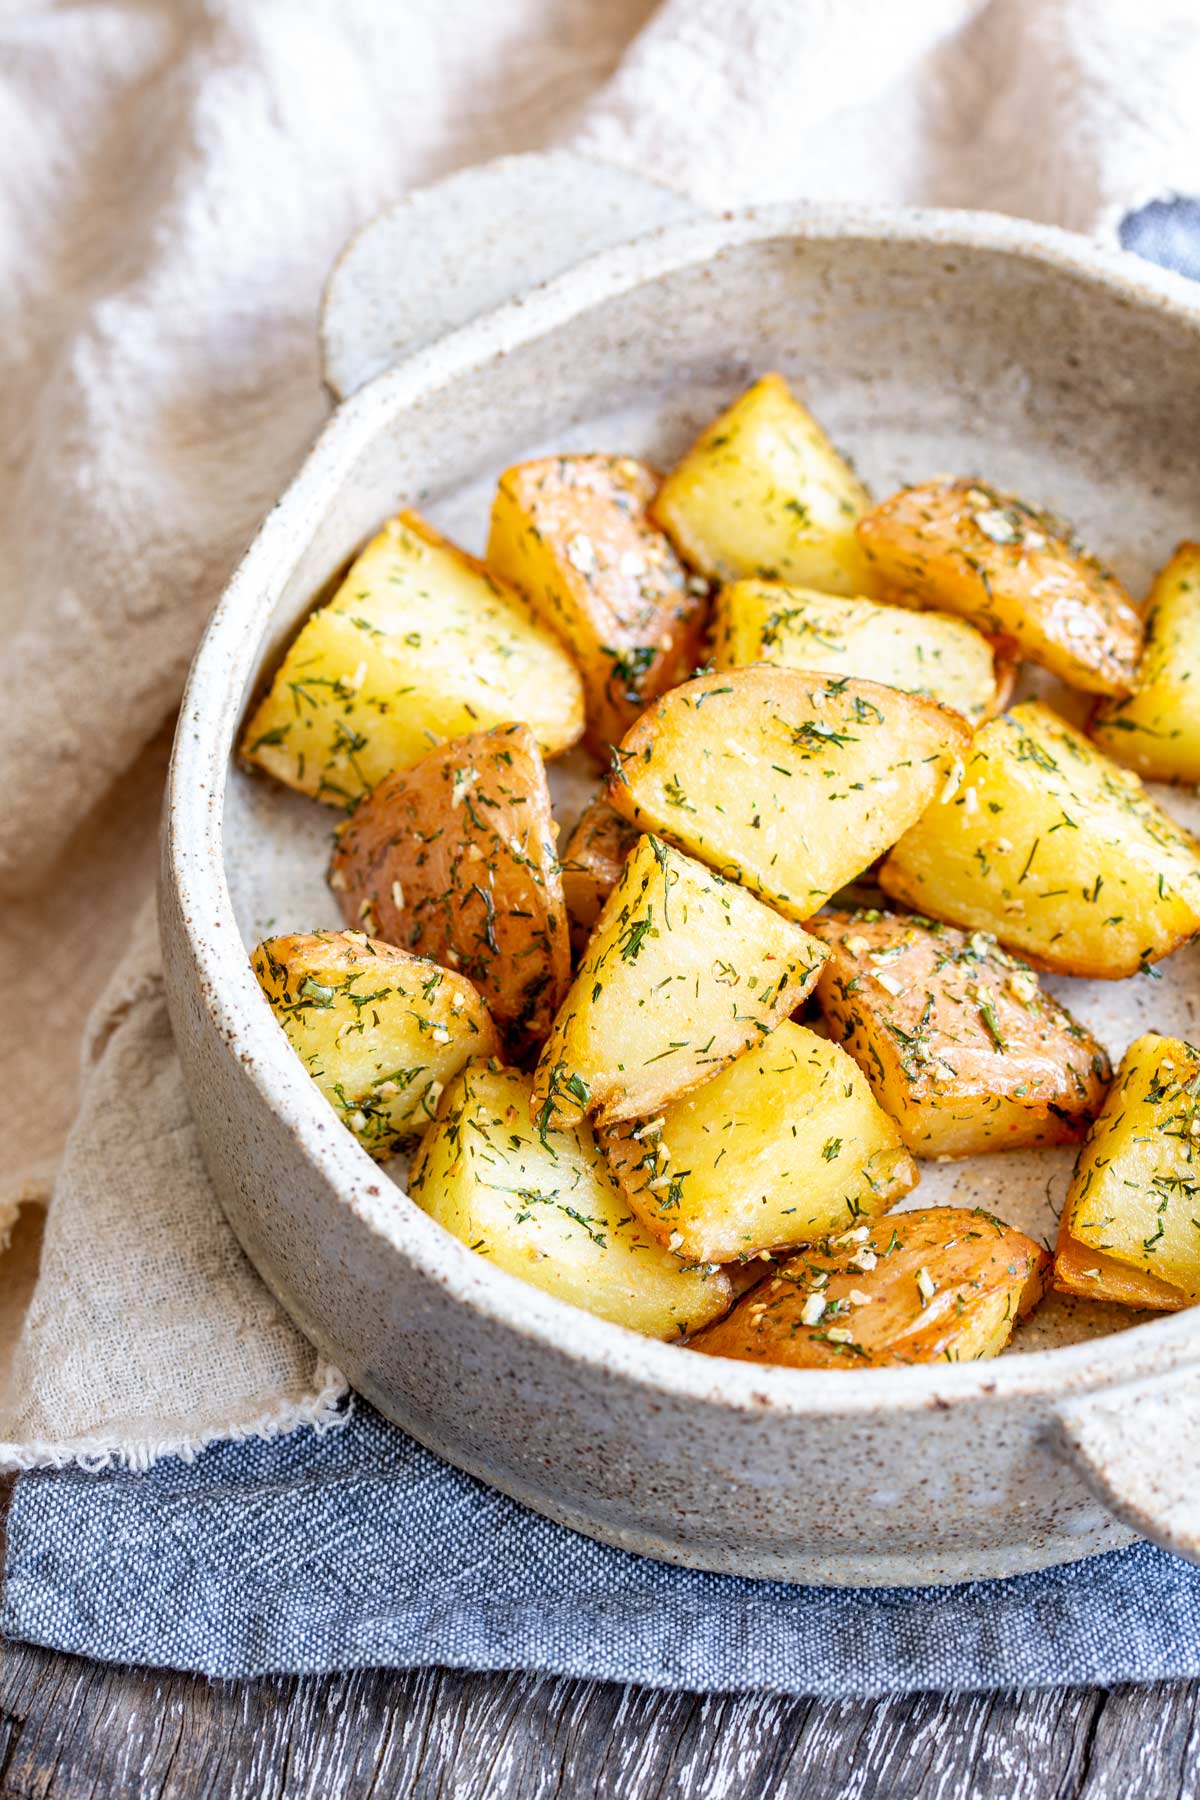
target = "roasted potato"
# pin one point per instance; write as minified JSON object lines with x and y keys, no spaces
{"x":1015,"y":573}
{"x":763,"y":492}
{"x":571,"y":534}
{"x":1042,"y":840}
{"x":684,"y":971}
{"x":1135,"y":1193}
{"x":592,"y":864}
{"x":944,"y":1285}
{"x":786,"y":783}
{"x":955,"y":1036}
{"x":418,"y":644}
{"x":1078,"y":1270}
{"x":925,"y":653}
{"x":1157,"y":729}
{"x":783,"y":1146}
{"x":380,"y":1032}
{"x":552,"y":1215}
{"x":453,"y":858}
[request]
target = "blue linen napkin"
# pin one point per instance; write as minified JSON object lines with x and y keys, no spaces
{"x":359,"y":1548}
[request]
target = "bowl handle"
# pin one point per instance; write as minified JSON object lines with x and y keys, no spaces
{"x":1138,"y":1448}
{"x":449,"y":252}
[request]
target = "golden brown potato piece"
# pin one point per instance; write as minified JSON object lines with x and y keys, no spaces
{"x":786,"y":783}
{"x":592,"y":864}
{"x":958,"y":1041}
{"x":1135,"y":1193}
{"x":453,"y":859}
{"x":1042,"y":840}
{"x":783,"y":1146}
{"x":571,"y":534}
{"x":944,"y":1285}
{"x":1015,"y":573}
{"x":380,"y":1032}
{"x":763,"y":492}
{"x":797,"y":628}
{"x":552,"y":1215}
{"x":418,"y":644}
{"x":1078,"y":1270}
{"x":684,"y":971}
{"x":1157,"y":729}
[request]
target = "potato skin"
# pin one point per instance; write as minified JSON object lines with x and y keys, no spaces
{"x":785,"y":1145}
{"x":763,"y":492}
{"x":454,"y":859}
{"x":419,"y":643}
{"x":928,"y":653}
{"x":592,"y":864}
{"x":1097,"y":1276}
{"x":1014,"y":572}
{"x":1060,"y":853}
{"x":942,"y":1285}
{"x":960,"y":1045}
{"x":1156,"y":730}
{"x":683,"y":972}
{"x":551,"y":1216}
{"x":1135,"y":1193}
{"x":786,"y":783}
{"x":380,"y":1032}
{"x":571,"y":534}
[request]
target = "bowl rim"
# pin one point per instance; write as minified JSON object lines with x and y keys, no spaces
{"x":194,"y":856}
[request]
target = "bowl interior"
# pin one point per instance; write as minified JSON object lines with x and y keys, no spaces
{"x":920,"y":357}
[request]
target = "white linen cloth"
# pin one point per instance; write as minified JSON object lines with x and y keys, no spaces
{"x":178,"y":176}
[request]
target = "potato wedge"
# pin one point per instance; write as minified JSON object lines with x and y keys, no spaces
{"x":786,"y":783}
{"x":1078,"y":1270}
{"x":684,"y":971}
{"x":1015,"y":573}
{"x":552,"y":1216}
{"x":592,"y":864}
{"x":943,"y":1285}
{"x":926,"y":653}
{"x":1135,"y":1193}
{"x":763,"y":492}
{"x":418,"y":644}
{"x":453,"y":858}
{"x":1157,"y":729}
{"x":380,"y":1032}
{"x":571,"y":534}
{"x":1055,"y":849}
{"x":955,"y":1036}
{"x":783,"y":1146}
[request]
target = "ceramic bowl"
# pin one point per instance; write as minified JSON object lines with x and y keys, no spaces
{"x":926,"y":343}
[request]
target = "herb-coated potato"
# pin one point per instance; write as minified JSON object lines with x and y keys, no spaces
{"x":683,"y":972}
{"x":786,"y":783}
{"x":926,"y":653}
{"x":418,"y":644}
{"x":552,"y":1216}
{"x":1135,"y":1193}
{"x":955,"y":1036}
{"x":1157,"y":729}
{"x":571,"y":534}
{"x":943,"y":1285}
{"x":763,"y":492}
{"x":783,"y":1146}
{"x":453,"y":858}
{"x":1015,"y":573}
{"x":1042,"y":840}
{"x":592,"y":864}
{"x":380,"y":1032}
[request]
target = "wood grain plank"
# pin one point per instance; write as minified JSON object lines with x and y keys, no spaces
{"x":71,"y":1730}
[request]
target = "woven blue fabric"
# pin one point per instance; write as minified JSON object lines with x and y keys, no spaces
{"x":360,"y":1548}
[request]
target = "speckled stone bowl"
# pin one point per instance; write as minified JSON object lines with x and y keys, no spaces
{"x":926,"y":343}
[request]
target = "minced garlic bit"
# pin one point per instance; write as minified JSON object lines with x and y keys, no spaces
{"x":926,"y":1285}
{"x":1023,"y":983}
{"x":357,"y":1121}
{"x":676,"y":1240}
{"x":863,"y":1259}
{"x":810,"y":1312}
{"x":837,"y":1334}
{"x":439,"y":1034}
{"x":1091,"y":1274}
{"x":397,"y":896}
{"x":858,"y":1235}
{"x":858,"y":1298}
{"x":889,"y":982}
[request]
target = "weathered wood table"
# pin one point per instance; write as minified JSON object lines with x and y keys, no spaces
{"x":70,"y":1728}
